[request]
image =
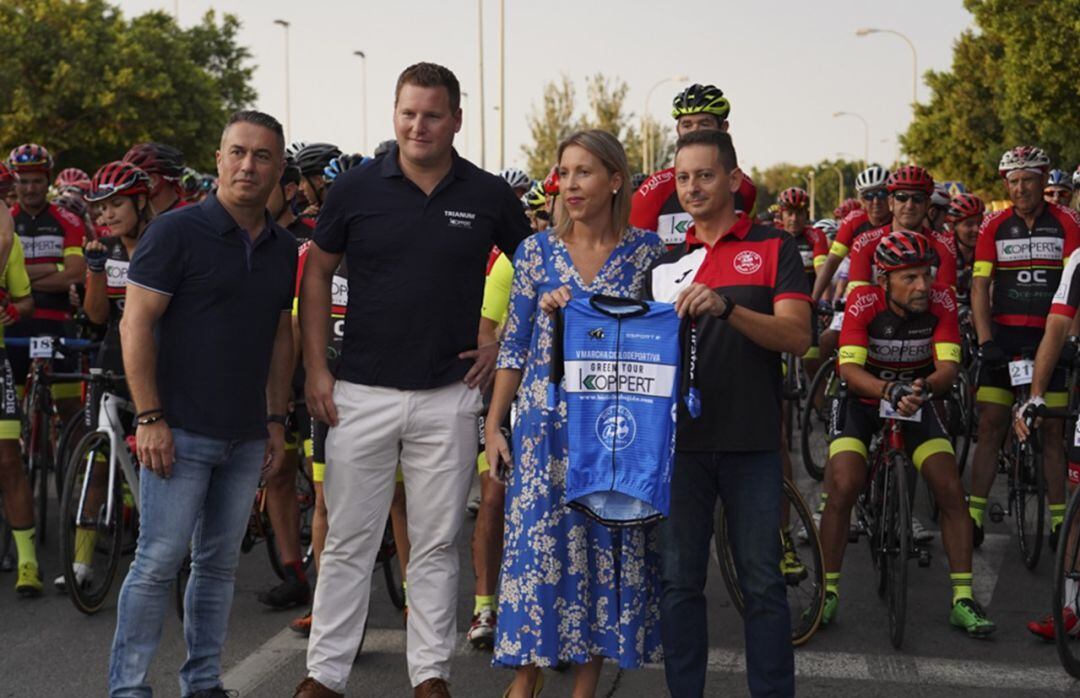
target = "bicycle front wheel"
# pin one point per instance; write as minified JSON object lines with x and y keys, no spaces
{"x":1028,"y":495}
{"x":814,"y":421}
{"x":91,"y":536}
{"x":897,"y":545}
{"x":1066,"y":587}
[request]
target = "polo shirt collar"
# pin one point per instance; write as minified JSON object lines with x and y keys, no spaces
{"x":222,"y":222}
{"x":390,"y":167}
{"x":739,"y":231}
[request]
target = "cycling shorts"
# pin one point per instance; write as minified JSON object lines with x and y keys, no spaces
{"x":922,"y":439}
{"x":19,"y":357}
{"x":315,"y":448}
{"x":10,"y":423}
{"x":482,"y":465}
{"x":994,"y":384}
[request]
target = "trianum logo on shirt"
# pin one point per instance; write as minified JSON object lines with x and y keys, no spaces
{"x":460,"y":219}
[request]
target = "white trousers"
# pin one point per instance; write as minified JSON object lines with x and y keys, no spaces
{"x":433,"y":434}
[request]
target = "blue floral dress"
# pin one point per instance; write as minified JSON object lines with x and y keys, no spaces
{"x":569,"y":587}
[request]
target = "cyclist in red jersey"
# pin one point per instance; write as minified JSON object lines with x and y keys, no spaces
{"x":1018,"y":262}
{"x":656,"y":205}
{"x":965,"y":217}
{"x":164,"y":165}
{"x":900,"y":344}
{"x":937,"y":214}
{"x":72,"y":179}
{"x":846,"y":208}
{"x":1059,"y":188}
{"x":909,"y":189}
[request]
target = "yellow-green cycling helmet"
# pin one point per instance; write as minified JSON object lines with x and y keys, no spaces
{"x":701,"y":99}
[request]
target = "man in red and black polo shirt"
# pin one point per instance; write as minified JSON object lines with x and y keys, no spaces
{"x":746,"y":290}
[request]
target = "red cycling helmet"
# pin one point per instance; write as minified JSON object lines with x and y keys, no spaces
{"x":904,"y":250}
{"x":964,"y":206}
{"x":911,"y":177}
{"x":7,"y":179}
{"x":793,"y":198}
{"x":118,"y":177}
{"x":551,"y":183}
{"x":30,"y":157}
{"x":73,"y":177}
{"x":846,"y":207}
{"x":157,"y":158}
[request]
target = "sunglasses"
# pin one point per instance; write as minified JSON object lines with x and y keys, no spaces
{"x":904,"y":197}
{"x":877,"y":195}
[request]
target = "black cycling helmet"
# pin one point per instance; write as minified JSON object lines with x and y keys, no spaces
{"x":701,"y":99}
{"x":384,"y":147}
{"x":291,"y":174}
{"x":313,"y":158}
{"x":157,"y":158}
{"x":637,"y":180}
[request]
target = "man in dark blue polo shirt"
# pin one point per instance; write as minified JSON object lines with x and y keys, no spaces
{"x":416,"y":228}
{"x":207,"y":341}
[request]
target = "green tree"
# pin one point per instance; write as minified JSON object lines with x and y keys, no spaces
{"x":549,"y":124}
{"x":1012,"y":82}
{"x":775,"y":179}
{"x":87,"y":83}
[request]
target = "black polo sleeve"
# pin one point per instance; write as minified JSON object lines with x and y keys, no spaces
{"x":513,"y":225}
{"x":159,"y":261}
{"x":791,"y":281}
{"x":332,"y":229}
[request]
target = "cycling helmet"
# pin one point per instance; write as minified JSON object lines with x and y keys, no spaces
{"x":30,"y":157}
{"x":829,"y":226}
{"x":341,"y":163}
{"x":1023,"y":157}
{"x":701,"y":99}
{"x":72,"y":177}
{"x":7,"y":179}
{"x":963,"y":206}
{"x":940,"y":197}
{"x":534,"y":199}
{"x":873,"y":177}
{"x":903,"y":250}
{"x":118,"y":177}
{"x":911,"y":177}
{"x":384,"y":147}
{"x":637,"y":180}
{"x":72,"y":203}
{"x":1076,"y":177}
{"x":314,"y":157}
{"x":189,"y":183}
{"x":517,"y":179}
{"x":1059,"y":179}
{"x":551,"y":182}
{"x":294,"y":148}
{"x":157,"y":159}
{"x":793,"y":198}
{"x":846,"y":207}
{"x":291,"y":173}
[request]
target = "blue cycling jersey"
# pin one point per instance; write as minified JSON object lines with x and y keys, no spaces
{"x":621,"y":361}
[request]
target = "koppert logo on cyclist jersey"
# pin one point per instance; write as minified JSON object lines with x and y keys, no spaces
{"x":624,"y":376}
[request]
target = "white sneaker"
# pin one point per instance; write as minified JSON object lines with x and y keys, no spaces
{"x":84,"y":574}
{"x":473,"y":507}
{"x":803,"y":535}
{"x":919,"y":532}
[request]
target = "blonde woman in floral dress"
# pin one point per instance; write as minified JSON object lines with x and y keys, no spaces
{"x":571,"y":590}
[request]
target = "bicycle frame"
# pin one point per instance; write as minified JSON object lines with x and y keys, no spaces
{"x":108,"y":421}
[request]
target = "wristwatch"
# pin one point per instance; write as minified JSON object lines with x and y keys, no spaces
{"x":729,"y":306}
{"x":277,"y":419}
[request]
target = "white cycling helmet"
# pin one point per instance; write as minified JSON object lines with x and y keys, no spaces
{"x":295,"y":147}
{"x":873,"y":177}
{"x":829,"y":226}
{"x":517,"y":179}
{"x":1023,"y":157}
{"x":940,"y":197}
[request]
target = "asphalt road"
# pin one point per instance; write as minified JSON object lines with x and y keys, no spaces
{"x":50,"y":649}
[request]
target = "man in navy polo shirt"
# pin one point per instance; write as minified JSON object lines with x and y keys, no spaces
{"x":416,"y":227}
{"x":207,"y":339}
{"x":745,"y":287}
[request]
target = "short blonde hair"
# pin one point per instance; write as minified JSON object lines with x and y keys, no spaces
{"x":609,"y":151}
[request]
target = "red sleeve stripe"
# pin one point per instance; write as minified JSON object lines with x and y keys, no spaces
{"x":1063,"y":309}
{"x":792,"y":296}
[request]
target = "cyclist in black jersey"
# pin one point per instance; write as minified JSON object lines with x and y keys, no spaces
{"x":282,"y":203}
{"x":965,"y":217}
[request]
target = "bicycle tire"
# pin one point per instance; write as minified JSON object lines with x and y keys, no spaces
{"x":109,"y":533}
{"x":1028,"y":497}
{"x":966,"y":405}
{"x":7,"y":543}
{"x":391,"y":568}
{"x":305,"y":497}
{"x":1065,"y":564}
{"x":70,"y":435}
{"x":810,"y":592}
{"x":897,"y":548}
{"x":814,"y":424}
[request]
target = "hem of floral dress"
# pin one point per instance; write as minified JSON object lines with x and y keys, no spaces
{"x":508,"y":662}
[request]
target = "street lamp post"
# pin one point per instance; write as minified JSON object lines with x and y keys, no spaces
{"x":646,"y":140}
{"x":465,"y":122}
{"x":866,"y":31}
{"x":840,"y":185}
{"x":502,"y":84}
{"x":866,"y":133}
{"x":288,"y":104}
{"x":480,"y":51}
{"x":363,"y":102}
{"x":811,"y":180}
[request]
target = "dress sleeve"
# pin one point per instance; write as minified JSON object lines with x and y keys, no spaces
{"x":517,"y":334}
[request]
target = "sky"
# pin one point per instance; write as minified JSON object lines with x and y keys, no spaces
{"x":785,"y":66}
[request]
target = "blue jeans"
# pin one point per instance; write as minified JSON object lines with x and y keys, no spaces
{"x":749,"y":486}
{"x":205,"y":504}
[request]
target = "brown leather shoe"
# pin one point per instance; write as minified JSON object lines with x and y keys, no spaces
{"x":310,"y":688}
{"x":432,"y":688}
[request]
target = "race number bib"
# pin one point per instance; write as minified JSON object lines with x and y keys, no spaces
{"x":887,"y":411}
{"x":41,"y":347}
{"x":1076,"y":434}
{"x":1020,"y":372}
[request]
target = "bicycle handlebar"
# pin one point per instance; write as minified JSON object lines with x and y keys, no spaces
{"x":65,"y":342}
